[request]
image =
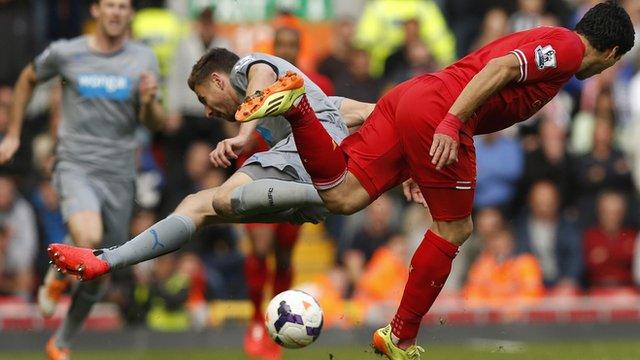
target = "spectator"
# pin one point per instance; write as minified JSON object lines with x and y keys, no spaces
{"x":47,"y":208}
{"x":500,"y":162}
{"x":356,"y":83}
{"x":583,"y":127}
{"x":286,"y":45}
{"x":185,"y":111}
{"x":546,"y":159}
{"x":552,"y":238}
{"x":382,"y":279}
{"x":20,"y":241}
{"x":494,"y":26}
{"x":605,"y":167}
{"x":160,"y":29}
{"x":411,"y":58}
{"x":500,"y":276}
{"x":376,"y":230}
{"x":468,"y":19}
{"x":528,"y":15}
{"x":380,"y":30}
{"x":609,"y":245}
{"x":334,"y":65}
{"x":194,"y":166}
{"x":19,"y":36}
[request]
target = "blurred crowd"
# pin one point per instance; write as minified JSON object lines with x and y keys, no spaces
{"x":556,"y":210}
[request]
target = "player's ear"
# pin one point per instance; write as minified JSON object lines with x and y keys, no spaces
{"x":613,"y":53}
{"x":216,"y":80}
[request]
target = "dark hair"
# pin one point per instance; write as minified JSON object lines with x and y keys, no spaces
{"x":607,"y":25}
{"x":216,"y":59}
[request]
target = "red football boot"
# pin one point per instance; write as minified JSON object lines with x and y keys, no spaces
{"x":258,"y":344}
{"x":81,"y":262}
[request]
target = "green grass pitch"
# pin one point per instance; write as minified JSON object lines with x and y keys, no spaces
{"x":613,"y":350}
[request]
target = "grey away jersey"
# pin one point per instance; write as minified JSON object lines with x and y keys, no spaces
{"x":99,"y":103}
{"x":277,"y":129}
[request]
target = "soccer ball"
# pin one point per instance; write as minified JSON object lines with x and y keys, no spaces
{"x":294,"y":319}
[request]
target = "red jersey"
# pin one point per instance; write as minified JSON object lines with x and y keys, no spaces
{"x":548,"y":56}
{"x":609,"y":258}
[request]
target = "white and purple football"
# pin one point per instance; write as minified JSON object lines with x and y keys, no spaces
{"x":294,"y":319}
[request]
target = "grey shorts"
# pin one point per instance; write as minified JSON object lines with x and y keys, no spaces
{"x":285,"y":166}
{"x":112,"y":199}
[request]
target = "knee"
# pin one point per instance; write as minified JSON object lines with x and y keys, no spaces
{"x":221,"y":203}
{"x":88,"y":237}
{"x":456,"y":232}
{"x":194,"y":205}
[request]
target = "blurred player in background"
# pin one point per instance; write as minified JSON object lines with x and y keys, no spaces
{"x":424,"y":128}
{"x":109,"y":88}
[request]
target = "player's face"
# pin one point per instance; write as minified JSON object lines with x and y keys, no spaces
{"x":113,"y":16}
{"x":218,"y":103}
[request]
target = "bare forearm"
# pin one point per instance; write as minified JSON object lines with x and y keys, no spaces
{"x":22,"y":95}
{"x":247,"y":128}
{"x":490,"y":80}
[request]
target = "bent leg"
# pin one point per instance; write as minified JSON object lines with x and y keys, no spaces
{"x":366,"y":164}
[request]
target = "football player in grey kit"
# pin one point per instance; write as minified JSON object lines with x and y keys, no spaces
{"x":109,"y":88}
{"x":271,"y":186}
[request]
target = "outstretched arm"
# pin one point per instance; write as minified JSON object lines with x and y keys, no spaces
{"x":497,"y":74}
{"x":22,"y":94}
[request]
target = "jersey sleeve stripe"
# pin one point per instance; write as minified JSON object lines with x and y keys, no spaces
{"x":522,"y":62}
{"x":526,"y":64}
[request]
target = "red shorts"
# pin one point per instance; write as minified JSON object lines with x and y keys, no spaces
{"x":394,"y":142}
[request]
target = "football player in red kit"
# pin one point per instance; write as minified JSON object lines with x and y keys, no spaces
{"x":423,"y":129}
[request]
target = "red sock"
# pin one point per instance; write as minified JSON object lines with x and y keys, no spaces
{"x":286,"y":236}
{"x":323,"y":159}
{"x":282,"y":280}
{"x":430,"y":267}
{"x":255,"y":271}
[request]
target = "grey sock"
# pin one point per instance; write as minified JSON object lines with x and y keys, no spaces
{"x":85,"y":295}
{"x":309,"y":214}
{"x":267,"y":195}
{"x":163,"y":237}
